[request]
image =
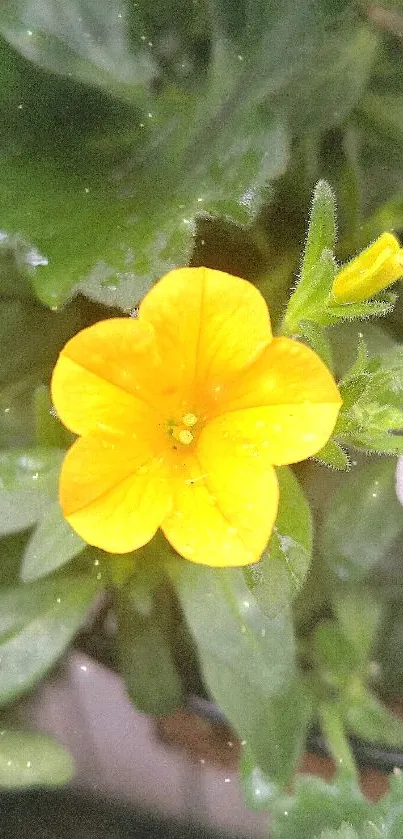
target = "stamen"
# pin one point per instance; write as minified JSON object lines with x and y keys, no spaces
{"x":185,"y":437}
{"x":189,"y":420}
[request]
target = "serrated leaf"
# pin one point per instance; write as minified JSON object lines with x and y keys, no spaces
{"x":333,"y":455}
{"x":53,"y":544}
{"x":37,"y":622}
{"x":28,"y":483}
{"x":32,"y":759}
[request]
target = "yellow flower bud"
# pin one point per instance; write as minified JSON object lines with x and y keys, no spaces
{"x":377,"y":267}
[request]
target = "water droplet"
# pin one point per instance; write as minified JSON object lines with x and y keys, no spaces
{"x":227,"y":780}
{"x":28,"y":764}
{"x":58,"y":600}
{"x":83,"y":667}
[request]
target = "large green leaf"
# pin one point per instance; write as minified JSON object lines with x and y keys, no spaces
{"x":144,"y":647}
{"x":37,"y":622}
{"x":281,"y":572}
{"x":32,"y":759}
{"x":81,"y":38}
{"x":28,"y":482}
{"x":117,"y":205}
{"x":363,"y":521}
{"x":53,"y":544}
{"x":247,"y":662}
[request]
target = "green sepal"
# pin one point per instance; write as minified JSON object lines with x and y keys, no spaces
{"x":333,"y":455}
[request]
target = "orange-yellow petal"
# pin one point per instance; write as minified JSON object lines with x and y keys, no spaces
{"x":208,"y":326}
{"x":284,"y":406}
{"x":224,"y":506}
{"x":115,"y":490}
{"x":107,"y":376}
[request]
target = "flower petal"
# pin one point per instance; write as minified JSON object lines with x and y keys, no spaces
{"x":208,"y":326}
{"x":103,"y":376}
{"x":224,"y":506}
{"x":374,"y":269}
{"x":115,"y":490}
{"x":284,"y":407}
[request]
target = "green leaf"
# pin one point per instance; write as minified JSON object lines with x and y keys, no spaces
{"x":32,"y":759}
{"x":335,"y":656}
{"x":321,"y":228}
{"x":317,"y":338}
{"x":308,"y":303}
{"x":37,"y":622}
{"x":334,"y":456}
{"x":123,"y":184}
{"x":82,"y":38}
{"x":366,"y":717}
{"x":53,"y":544}
{"x":258,"y":789}
{"x":282,"y":570}
{"x":345,"y":832}
{"x":144,"y":647}
{"x":49,"y":429}
{"x":28,"y":483}
{"x":358,"y":614}
{"x":316,"y":806}
{"x":363,"y":521}
{"x":247,"y":662}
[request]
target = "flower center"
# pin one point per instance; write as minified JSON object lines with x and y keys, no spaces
{"x":184,"y":430}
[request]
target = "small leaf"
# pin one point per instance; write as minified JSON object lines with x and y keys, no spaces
{"x":145,"y":654}
{"x":37,"y":622}
{"x":366,"y":717}
{"x":32,"y":759}
{"x":358,"y":614}
{"x":309,"y":301}
{"x":344,"y":832}
{"x":28,"y":482}
{"x":317,"y":805}
{"x":321,"y":229}
{"x":316,"y":337}
{"x":334,"y":456}
{"x":258,"y":790}
{"x":53,"y":544}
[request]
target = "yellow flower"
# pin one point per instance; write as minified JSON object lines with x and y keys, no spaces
{"x":183,"y":412}
{"x":380,"y":265}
